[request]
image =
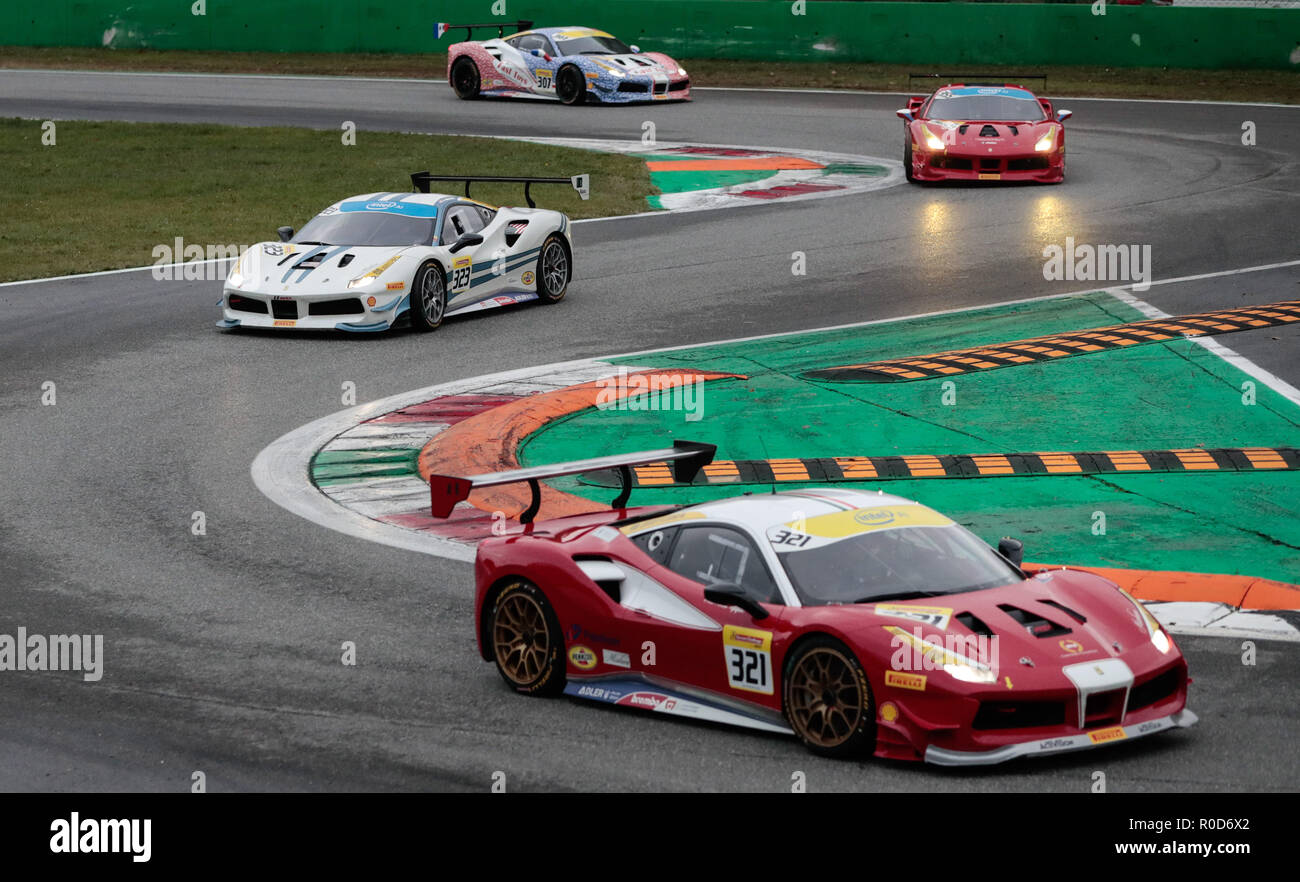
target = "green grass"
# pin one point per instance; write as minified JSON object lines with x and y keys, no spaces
{"x":107,"y":193}
{"x":1102,"y":82}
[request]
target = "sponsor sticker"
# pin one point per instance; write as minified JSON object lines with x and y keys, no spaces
{"x":936,"y":616}
{"x":461,"y":268}
{"x":1113,"y":733}
{"x":748,"y":654}
{"x":396,"y":286}
{"x":582,"y":658}
{"x":903,"y":680}
{"x":285,"y":323}
{"x":889,"y":712}
{"x":1071,"y":646}
{"x":648,"y":700}
{"x":616,"y":659}
{"x":990,"y":176}
{"x":528,"y":277}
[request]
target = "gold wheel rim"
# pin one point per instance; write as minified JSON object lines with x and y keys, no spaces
{"x":521,"y":638}
{"x":825,"y":698}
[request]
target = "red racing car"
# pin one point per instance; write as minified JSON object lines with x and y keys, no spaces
{"x":860,"y":621}
{"x":983,"y":132}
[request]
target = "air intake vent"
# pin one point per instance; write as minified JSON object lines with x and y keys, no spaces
{"x":514,"y":230}
{"x":1035,"y":624}
{"x":961,"y":129}
{"x":1014,"y":130}
{"x":1077,"y":616}
{"x":346,"y":259}
{"x":975,"y":624}
{"x":989,"y":132}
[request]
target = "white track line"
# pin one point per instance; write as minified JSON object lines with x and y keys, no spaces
{"x":442,"y":81}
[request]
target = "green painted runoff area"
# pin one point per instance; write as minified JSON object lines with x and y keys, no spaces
{"x":1155,"y":396}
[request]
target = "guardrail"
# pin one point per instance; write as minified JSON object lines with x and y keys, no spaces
{"x":1113,"y":34}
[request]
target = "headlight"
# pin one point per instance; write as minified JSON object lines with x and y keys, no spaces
{"x":1159,"y":639}
{"x":617,"y":73}
{"x":681,"y":71}
{"x":374,"y":274}
{"x":933,"y":141}
{"x":236,"y":278}
{"x":969,"y":674}
{"x":1047,"y":142}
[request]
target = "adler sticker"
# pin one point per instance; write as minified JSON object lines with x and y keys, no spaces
{"x":528,"y":277}
{"x":582,"y":658}
{"x":935,"y":616}
{"x":748,"y":653}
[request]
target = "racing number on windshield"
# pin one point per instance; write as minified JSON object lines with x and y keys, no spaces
{"x":748,"y":653}
{"x":460,"y":272}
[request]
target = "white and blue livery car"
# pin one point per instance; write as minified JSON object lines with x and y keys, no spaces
{"x":377,"y":260}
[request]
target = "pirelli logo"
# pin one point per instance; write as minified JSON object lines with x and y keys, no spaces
{"x":1039,"y":349}
{"x":838,"y":469}
{"x":903,"y":680}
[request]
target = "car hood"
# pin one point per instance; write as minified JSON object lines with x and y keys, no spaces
{"x":981,"y":135}
{"x":293,"y":268}
{"x":639,"y":64}
{"x":1056,"y":618}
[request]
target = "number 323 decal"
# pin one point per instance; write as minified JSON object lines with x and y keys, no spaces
{"x":461,"y":268}
{"x":749,"y":658}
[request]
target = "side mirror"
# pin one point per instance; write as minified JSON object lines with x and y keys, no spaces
{"x":635,"y":48}
{"x":536,"y":53}
{"x":731,"y":594}
{"x":285,"y":233}
{"x":1063,"y":115}
{"x":905,"y":114}
{"x":1012,"y":549}
{"x":465,"y":241}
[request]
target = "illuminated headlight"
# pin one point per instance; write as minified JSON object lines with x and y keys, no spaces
{"x":681,"y":71}
{"x":236,"y":278}
{"x":970,"y":673}
{"x":1159,"y":639}
{"x":933,"y":141}
{"x":617,"y":73}
{"x":1047,"y":142}
{"x":361,"y":282}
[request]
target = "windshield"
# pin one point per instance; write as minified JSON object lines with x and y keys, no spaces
{"x":1006,"y":106}
{"x":362,"y":227}
{"x":882,"y":564}
{"x":592,"y":46}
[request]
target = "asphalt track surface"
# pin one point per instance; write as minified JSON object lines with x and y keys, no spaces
{"x":223,"y":651}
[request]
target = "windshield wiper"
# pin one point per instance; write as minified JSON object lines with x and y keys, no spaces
{"x":900,"y":595}
{"x":311,"y":243}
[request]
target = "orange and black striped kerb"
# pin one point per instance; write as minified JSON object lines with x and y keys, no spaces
{"x":1039,"y":349}
{"x":837,"y":469}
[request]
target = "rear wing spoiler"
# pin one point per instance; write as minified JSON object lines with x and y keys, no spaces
{"x":685,"y":458}
{"x":581,"y":183}
{"x":442,"y":27}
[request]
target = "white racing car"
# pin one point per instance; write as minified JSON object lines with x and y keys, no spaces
{"x":370,"y":261}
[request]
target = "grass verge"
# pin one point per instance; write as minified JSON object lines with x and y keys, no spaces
{"x":1101,"y":82}
{"x":106,"y":194}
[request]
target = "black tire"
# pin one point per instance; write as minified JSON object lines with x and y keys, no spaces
{"x":907,"y":160}
{"x":464,"y":78}
{"x":526,"y":641}
{"x":428,"y":298}
{"x":570,"y":85}
{"x":554,"y":269}
{"x":827,"y":699}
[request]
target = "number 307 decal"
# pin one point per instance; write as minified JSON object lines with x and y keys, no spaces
{"x":543,"y":79}
{"x":749,"y":658}
{"x":460,"y":273}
